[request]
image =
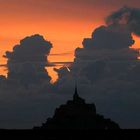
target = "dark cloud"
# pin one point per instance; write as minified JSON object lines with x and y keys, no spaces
{"x":109,"y":36}
{"x":61,"y":54}
{"x":26,"y":63}
{"x":105,"y":36}
{"x":31,"y":49}
{"x":129,"y":17}
{"x":2,"y":79}
{"x":107,"y":43}
{"x":22,"y":109}
{"x":106,"y":71}
{"x":3,"y":65}
{"x":26,"y":95}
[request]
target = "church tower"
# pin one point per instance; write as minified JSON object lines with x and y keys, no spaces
{"x":76,"y":98}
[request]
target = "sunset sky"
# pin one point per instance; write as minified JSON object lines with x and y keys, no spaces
{"x":49,"y":47}
{"x":63,"y":22}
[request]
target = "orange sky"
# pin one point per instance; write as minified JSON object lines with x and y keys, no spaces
{"x":63,"y":22}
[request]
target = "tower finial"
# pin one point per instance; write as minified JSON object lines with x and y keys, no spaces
{"x":76,"y":97}
{"x":76,"y":90}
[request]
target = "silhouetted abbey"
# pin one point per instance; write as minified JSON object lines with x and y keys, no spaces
{"x":76,"y":114}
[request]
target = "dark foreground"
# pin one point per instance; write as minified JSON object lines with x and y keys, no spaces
{"x":70,"y":134}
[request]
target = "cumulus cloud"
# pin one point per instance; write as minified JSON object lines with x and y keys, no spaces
{"x":26,"y":63}
{"x":26,"y":95}
{"x":106,"y":70}
{"x":127,"y":16}
{"x":109,"y":36}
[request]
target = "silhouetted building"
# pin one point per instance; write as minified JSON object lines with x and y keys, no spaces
{"x":76,"y":114}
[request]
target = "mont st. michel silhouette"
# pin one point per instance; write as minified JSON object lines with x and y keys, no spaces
{"x":76,"y":114}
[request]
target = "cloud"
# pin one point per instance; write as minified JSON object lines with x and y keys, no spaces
{"x":24,"y":109}
{"x":26,"y":96}
{"x":109,"y":36}
{"x":26,"y":63}
{"x":60,"y":54}
{"x":2,"y":79}
{"x":106,"y":71}
{"x":129,"y":17}
{"x":3,"y":65}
